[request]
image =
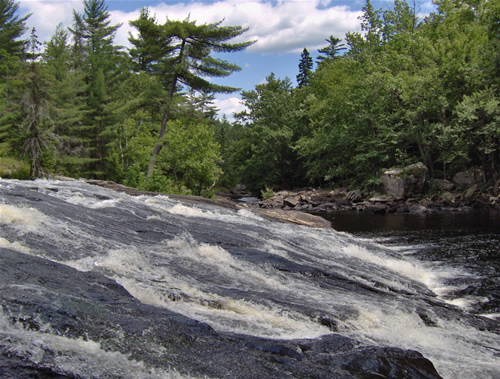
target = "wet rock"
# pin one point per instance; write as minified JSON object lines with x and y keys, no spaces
{"x":376,"y":208}
{"x":329,"y":323}
{"x":189,"y":199}
{"x":293,"y":217}
{"x":402,"y":208}
{"x":417,"y":209}
{"x":86,"y":306}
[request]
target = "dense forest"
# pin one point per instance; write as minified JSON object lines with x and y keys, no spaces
{"x":403,"y":90}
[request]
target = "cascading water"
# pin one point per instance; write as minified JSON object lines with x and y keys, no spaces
{"x":238,"y":273}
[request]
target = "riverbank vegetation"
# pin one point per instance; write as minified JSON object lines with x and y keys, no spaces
{"x":406,"y":89}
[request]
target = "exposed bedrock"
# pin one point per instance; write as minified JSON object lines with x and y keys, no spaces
{"x":40,"y":297}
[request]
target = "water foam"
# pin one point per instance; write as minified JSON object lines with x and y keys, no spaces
{"x":442,"y":343}
{"x":16,"y":245}
{"x":24,"y":219}
{"x":189,"y":277}
{"x":76,"y":356}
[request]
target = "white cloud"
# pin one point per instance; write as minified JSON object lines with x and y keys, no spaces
{"x":282,"y":27}
{"x":279,"y":27}
{"x":46,"y":15}
{"x":229,"y":105}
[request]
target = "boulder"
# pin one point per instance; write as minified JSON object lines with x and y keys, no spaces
{"x":381,"y":199}
{"x":466,"y":179}
{"x":293,"y":217}
{"x":401,"y":182}
{"x":471,"y":191}
{"x":278,"y":201}
{"x":418,"y":209}
{"x":305,"y":198}
{"x":291,"y":201}
{"x":355,"y":196}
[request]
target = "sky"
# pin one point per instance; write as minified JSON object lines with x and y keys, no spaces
{"x":282,"y":28}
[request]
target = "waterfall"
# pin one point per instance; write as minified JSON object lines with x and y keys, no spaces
{"x":237,"y":277}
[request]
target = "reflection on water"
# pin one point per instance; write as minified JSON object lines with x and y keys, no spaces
{"x":471,"y":222}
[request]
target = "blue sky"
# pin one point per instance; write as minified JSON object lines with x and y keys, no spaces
{"x":282,"y":29}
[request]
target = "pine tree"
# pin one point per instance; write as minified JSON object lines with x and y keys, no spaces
{"x":305,"y":66}
{"x":36,"y":120}
{"x":330,"y":52}
{"x":94,"y":50}
{"x":67,"y":97}
{"x":151,"y":44}
{"x":11,"y":29}
{"x":179,"y":53}
{"x":12,"y":49}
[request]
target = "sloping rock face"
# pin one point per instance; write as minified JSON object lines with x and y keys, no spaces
{"x":401,"y":182}
{"x":47,"y":306}
{"x":293,"y":217}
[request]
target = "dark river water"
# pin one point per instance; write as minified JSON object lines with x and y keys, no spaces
{"x":466,"y":244}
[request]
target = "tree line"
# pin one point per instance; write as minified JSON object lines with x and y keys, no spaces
{"x":82,"y":106}
{"x":404,"y":89}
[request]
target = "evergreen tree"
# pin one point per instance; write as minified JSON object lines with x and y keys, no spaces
{"x":100,"y":57}
{"x":12,"y":49}
{"x":305,"y":67}
{"x":36,"y":119}
{"x":151,"y":44}
{"x":11,"y":29}
{"x":180,"y":55}
{"x":370,"y":40}
{"x":330,"y":52}
{"x":78,"y":53}
{"x":67,"y":94}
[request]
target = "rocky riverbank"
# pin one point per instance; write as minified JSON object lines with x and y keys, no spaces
{"x":402,"y":190}
{"x":319,"y":201}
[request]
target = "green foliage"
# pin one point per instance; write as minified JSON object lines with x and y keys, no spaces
{"x":35,"y":108}
{"x":12,"y":28}
{"x":406,"y":90}
{"x":180,"y":53}
{"x":267,"y":192}
{"x":270,"y":127}
{"x":67,"y":93}
{"x":190,"y":156}
{"x":14,"y":169}
{"x":305,"y":66}
{"x":331,"y":51}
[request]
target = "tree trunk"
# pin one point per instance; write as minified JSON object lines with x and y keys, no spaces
{"x":159,"y":144}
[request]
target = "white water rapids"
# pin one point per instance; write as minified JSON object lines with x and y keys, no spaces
{"x":243,"y":274}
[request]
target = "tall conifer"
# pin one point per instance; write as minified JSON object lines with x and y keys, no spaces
{"x":94,"y":50}
{"x":305,"y":67}
{"x":180,"y":54}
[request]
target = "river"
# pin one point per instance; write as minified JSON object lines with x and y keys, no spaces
{"x":465,"y":243}
{"x":96,"y":283}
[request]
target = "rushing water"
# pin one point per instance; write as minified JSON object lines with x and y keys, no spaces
{"x":466,"y":243}
{"x":245,"y":275}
